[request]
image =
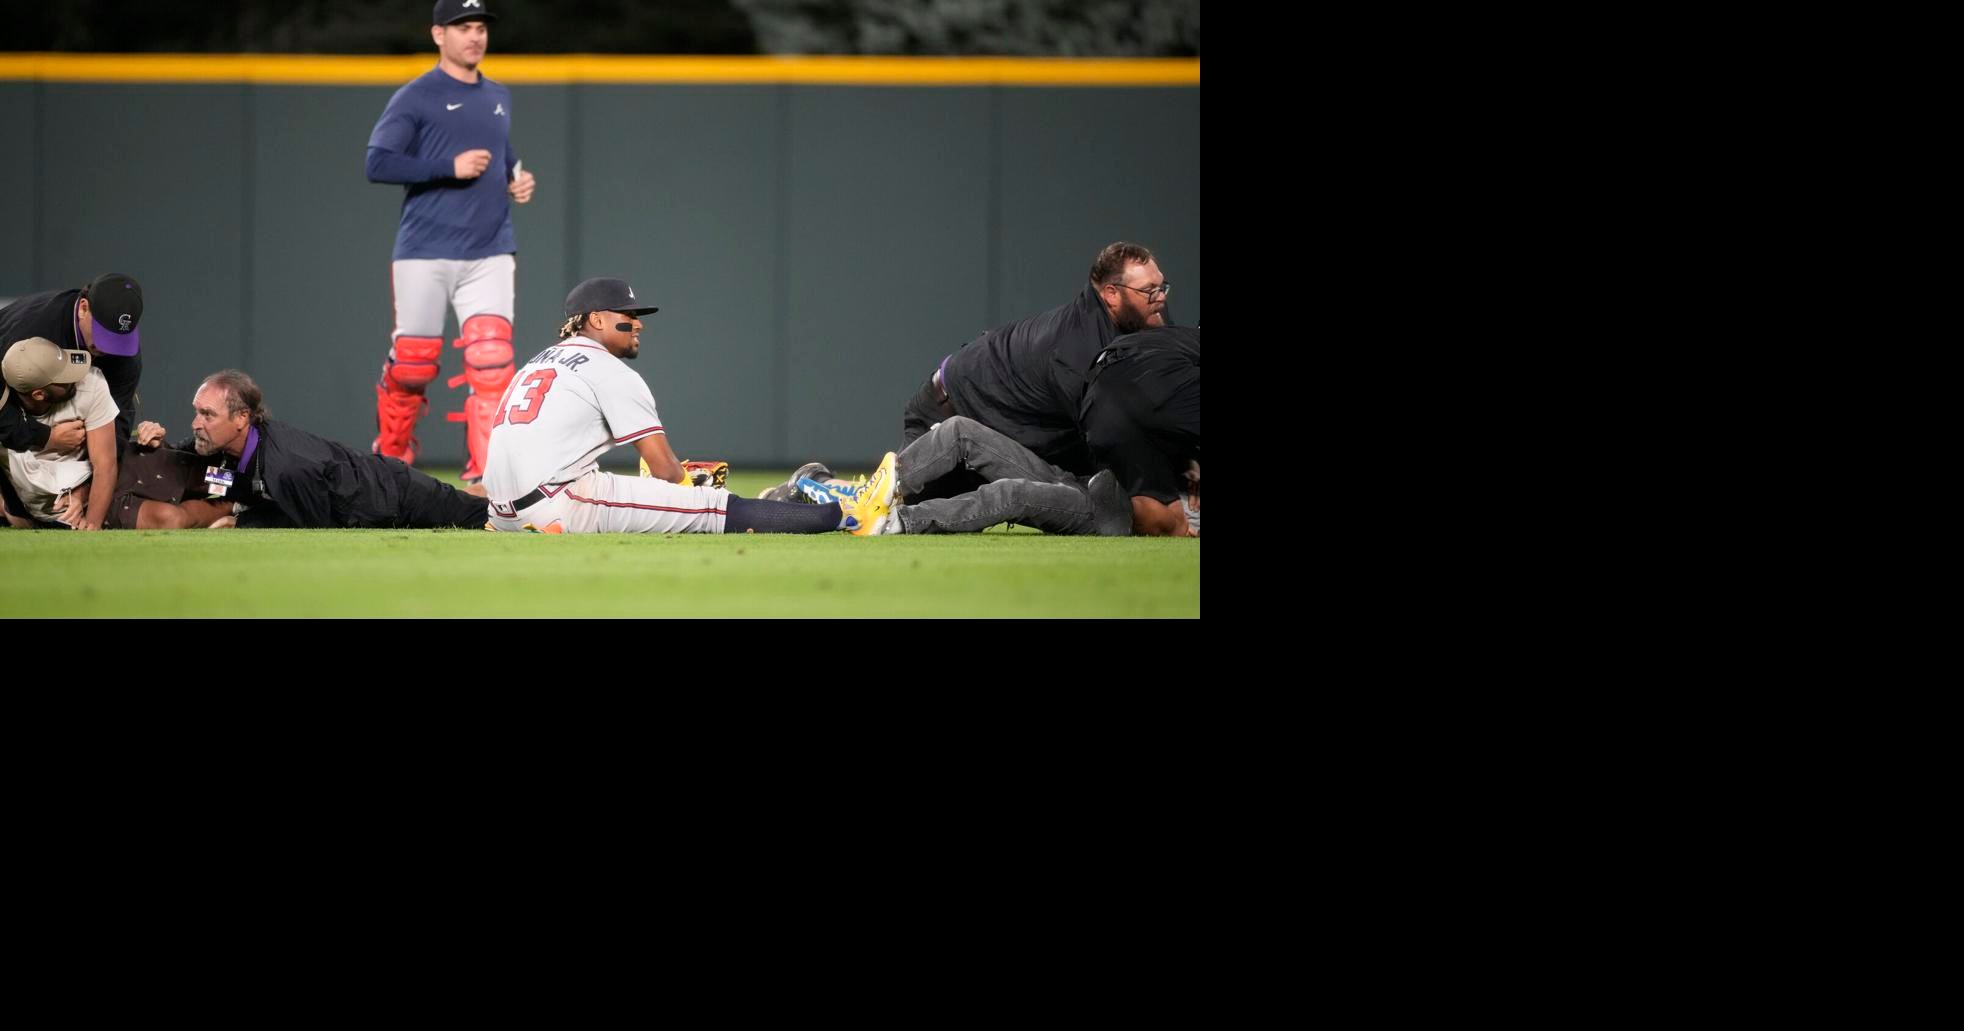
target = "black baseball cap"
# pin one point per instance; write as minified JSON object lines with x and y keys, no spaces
{"x":605,"y":293}
{"x":116,"y":306}
{"x":450,"y":12}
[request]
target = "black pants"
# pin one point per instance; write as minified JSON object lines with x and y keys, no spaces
{"x":924,"y":409}
{"x":423,"y":502}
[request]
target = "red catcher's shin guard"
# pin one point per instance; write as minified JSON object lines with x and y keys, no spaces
{"x":488,"y":368}
{"x":399,"y":401}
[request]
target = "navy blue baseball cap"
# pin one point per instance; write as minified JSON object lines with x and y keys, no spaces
{"x":116,"y":306}
{"x":605,"y":293}
{"x":450,"y":12}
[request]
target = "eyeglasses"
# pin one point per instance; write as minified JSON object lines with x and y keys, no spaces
{"x":1154,"y":294}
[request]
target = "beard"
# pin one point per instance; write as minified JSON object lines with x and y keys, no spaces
{"x":203,"y":445}
{"x":53,"y":402}
{"x":1129,"y":320}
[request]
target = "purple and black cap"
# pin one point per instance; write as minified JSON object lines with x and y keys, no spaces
{"x":116,"y":306}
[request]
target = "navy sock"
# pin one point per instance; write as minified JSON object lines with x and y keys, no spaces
{"x":745,"y":514}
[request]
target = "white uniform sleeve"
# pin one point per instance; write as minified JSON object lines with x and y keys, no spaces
{"x":629,"y":407}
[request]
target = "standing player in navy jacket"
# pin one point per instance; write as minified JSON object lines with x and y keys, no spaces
{"x":447,"y":137}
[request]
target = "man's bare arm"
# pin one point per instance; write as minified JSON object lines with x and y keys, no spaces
{"x":102,"y":463}
{"x":1154,"y":518}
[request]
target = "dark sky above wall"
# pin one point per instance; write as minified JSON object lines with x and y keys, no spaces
{"x":1080,"y":28}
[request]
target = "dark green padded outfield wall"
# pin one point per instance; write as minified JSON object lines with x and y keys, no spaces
{"x":815,"y":250}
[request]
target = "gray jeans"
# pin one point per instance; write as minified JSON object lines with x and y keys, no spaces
{"x":1022,"y":488}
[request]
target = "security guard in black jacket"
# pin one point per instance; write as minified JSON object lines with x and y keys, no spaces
{"x":279,"y":475}
{"x":1026,"y":380}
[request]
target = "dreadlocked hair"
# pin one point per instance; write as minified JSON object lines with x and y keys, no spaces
{"x":572,"y":324}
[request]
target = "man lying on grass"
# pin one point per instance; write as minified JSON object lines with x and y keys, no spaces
{"x":242,"y":468}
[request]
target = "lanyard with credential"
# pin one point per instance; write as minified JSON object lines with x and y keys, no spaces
{"x":218,"y":479}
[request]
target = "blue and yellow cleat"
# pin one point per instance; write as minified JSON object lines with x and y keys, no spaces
{"x":825,"y":492}
{"x":874,"y":502}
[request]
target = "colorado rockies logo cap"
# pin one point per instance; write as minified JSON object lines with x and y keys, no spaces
{"x":605,"y":293}
{"x":36,"y":362}
{"x":116,"y":306}
{"x":450,"y":11}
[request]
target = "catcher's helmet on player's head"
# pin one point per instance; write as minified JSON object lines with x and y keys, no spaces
{"x":605,"y":293}
{"x":450,"y":11}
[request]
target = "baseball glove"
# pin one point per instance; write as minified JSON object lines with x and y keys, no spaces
{"x":706,"y":474}
{"x":698,"y":474}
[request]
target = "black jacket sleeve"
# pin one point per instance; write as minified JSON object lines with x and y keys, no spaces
{"x":1141,"y":411}
{"x":19,"y":432}
{"x":264,"y":516}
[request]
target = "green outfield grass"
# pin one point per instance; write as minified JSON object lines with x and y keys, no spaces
{"x":1008,"y":571}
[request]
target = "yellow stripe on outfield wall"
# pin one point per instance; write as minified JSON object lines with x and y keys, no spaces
{"x":326,"y":70}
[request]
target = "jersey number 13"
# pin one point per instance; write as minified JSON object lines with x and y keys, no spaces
{"x":526,"y":408}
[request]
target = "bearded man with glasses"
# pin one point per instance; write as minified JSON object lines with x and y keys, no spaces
{"x":1027,"y":380}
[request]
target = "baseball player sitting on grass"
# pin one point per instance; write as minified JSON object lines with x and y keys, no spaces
{"x":578,"y":399}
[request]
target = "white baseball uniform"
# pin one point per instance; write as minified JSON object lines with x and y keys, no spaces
{"x":426,"y":287}
{"x":566,"y":407}
{"x":41,"y":481}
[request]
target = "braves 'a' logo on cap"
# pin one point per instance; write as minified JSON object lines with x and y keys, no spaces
{"x":123,"y":323}
{"x":473,"y":3}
